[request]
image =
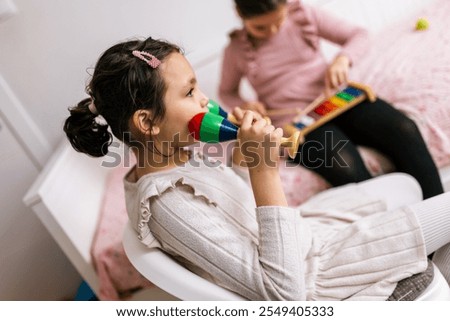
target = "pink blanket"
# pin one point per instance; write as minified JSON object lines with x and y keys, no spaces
{"x":411,"y":69}
{"x":117,"y":277}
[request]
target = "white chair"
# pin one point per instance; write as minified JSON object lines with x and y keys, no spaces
{"x":438,"y":290}
{"x":169,"y":275}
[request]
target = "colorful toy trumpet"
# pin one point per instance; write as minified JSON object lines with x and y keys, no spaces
{"x":215,"y":108}
{"x":213,"y":128}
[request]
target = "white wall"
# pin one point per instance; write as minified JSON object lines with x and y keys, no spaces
{"x":32,"y":266}
{"x":46,"y":49}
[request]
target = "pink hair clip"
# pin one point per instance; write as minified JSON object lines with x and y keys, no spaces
{"x":152,"y":61}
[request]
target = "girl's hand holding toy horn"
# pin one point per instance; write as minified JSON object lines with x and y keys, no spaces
{"x":259,"y":141}
{"x":213,"y":128}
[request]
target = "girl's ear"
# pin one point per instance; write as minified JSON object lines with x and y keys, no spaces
{"x":143,"y":121}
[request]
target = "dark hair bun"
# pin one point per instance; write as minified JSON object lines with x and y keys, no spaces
{"x":85,"y":133}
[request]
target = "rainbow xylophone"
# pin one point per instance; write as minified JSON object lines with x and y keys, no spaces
{"x":213,"y":128}
{"x":330,"y":108}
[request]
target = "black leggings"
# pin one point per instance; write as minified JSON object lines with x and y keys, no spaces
{"x":331,"y":150}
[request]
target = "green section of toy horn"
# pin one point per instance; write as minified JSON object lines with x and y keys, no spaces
{"x":213,"y":107}
{"x":210,"y":128}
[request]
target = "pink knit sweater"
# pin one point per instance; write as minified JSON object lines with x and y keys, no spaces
{"x":288,"y":70}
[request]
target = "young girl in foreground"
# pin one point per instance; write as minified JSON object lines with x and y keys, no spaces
{"x":343,"y":244}
{"x":278,"y":51}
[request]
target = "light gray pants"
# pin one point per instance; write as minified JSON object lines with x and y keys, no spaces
{"x":433,"y":214}
{"x":434,"y":218}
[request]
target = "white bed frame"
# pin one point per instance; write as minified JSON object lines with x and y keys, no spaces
{"x":67,"y":198}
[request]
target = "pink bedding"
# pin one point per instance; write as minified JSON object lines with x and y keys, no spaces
{"x":117,"y":277}
{"x":409,"y":68}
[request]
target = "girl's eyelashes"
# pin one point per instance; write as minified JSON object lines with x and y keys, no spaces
{"x":190,"y":92}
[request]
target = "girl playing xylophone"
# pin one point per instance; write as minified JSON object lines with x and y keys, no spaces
{"x":345,"y":243}
{"x":278,"y":51}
